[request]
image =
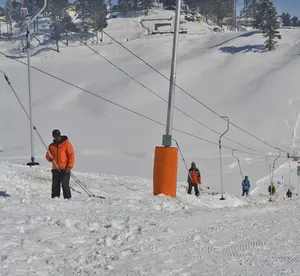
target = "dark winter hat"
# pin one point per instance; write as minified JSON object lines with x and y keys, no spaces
{"x":193,"y":164}
{"x":55,"y":133}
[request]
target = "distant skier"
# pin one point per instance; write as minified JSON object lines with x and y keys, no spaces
{"x":246,"y":186}
{"x":63,"y":153}
{"x":271,"y":189}
{"x":194,"y":178}
{"x":289,"y":193}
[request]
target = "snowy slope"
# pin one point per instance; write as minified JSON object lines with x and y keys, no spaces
{"x":133,"y":233}
{"x":223,"y":70}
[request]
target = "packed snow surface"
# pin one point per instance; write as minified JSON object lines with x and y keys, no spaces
{"x":132,"y":232}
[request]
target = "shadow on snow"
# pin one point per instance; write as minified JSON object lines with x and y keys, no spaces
{"x":247,"y":34}
{"x":242,"y":49}
{"x":3,"y":194}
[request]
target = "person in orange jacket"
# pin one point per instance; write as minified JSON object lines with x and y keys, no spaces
{"x":62,"y":158}
{"x":194,"y":178}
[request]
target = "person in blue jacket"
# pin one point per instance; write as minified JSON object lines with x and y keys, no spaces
{"x":246,"y":186}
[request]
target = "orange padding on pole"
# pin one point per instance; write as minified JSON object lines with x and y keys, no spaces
{"x":165,"y":171}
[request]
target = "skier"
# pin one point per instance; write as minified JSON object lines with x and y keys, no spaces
{"x":289,"y":193}
{"x":272,"y":189}
{"x":194,"y":178}
{"x":246,"y":186}
{"x":63,"y":153}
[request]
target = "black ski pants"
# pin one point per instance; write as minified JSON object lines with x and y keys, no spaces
{"x":245,"y":192}
{"x":195,"y":186}
{"x":60,"y":177}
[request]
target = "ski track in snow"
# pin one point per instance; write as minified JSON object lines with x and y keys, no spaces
{"x":134,"y":233}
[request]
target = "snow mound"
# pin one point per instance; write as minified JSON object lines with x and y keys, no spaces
{"x":124,"y":29}
{"x":285,"y":177}
{"x":22,"y":181}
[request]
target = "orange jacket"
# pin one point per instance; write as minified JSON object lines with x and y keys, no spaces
{"x":194,"y":176}
{"x":63,"y":154}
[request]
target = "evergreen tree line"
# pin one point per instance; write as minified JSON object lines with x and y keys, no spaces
{"x":215,"y":10}
{"x":90,"y":13}
{"x":288,"y":20}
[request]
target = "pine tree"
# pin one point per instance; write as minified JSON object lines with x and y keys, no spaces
{"x":97,"y":16}
{"x":33,"y":8}
{"x":57,"y":10}
{"x":295,"y":21}
{"x":251,"y":9}
{"x":222,"y":9}
{"x":286,"y":19}
{"x":8,"y":9}
{"x":146,"y":5}
{"x":266,"y":21}
{"x":124,"y":6}
{"x":82,"y":11}
{"x":67,"y":26}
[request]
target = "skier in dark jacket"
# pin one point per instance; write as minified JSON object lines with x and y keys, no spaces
{"x":62,"y":155}
{"x":194,"y":178}
{"x":246,"y":186}
{"x":289,"y":193}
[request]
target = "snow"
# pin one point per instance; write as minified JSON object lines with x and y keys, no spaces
{"x":226,"y":71}
{"x":132,"y":232}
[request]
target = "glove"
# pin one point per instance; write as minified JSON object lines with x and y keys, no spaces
{"x":68,"y":170}
{"x":51,"y":159}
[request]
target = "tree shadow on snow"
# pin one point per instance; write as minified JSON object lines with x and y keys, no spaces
{"x":3,"y":194}
{"x":247,"y":34}
{"x":251,"y":33}
{"x":242,"y":49}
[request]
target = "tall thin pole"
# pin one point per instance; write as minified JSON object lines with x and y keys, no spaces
{"x":167,"y":138}
{"x":32,"y":163}
{"x":298,"y":186}
{"x":289,"y":172}
{"x":235,"y":24}
{"x":238,"y":160}
{"x":298,"y":176}
{"x":220,"y":153}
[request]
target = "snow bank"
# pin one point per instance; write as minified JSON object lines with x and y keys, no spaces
{"x":124,"y":29}
{"x":285,"y":177}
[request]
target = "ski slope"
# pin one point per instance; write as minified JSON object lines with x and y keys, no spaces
{"x":132,"y":232}
{"x":222,"y":70}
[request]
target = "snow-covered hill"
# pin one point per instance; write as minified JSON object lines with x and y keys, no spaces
{"x":131,"y":232}
{"x":225,"y":71}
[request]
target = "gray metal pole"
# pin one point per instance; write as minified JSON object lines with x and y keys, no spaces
{"x":275,"y":162}
{"x":220,"y":152}
{"x":289,"y":172}
{"x":32,"y":163}
{"x":298,"y":186}
{"x":167,"y":139}
{"x":235,"y":25}
{"x":238,"y":160}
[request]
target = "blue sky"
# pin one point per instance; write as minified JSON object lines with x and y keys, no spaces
{"x":291,"y":6}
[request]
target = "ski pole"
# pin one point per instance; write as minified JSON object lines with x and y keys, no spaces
{"x":80,"y":183}
{"x":89,"y":193}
